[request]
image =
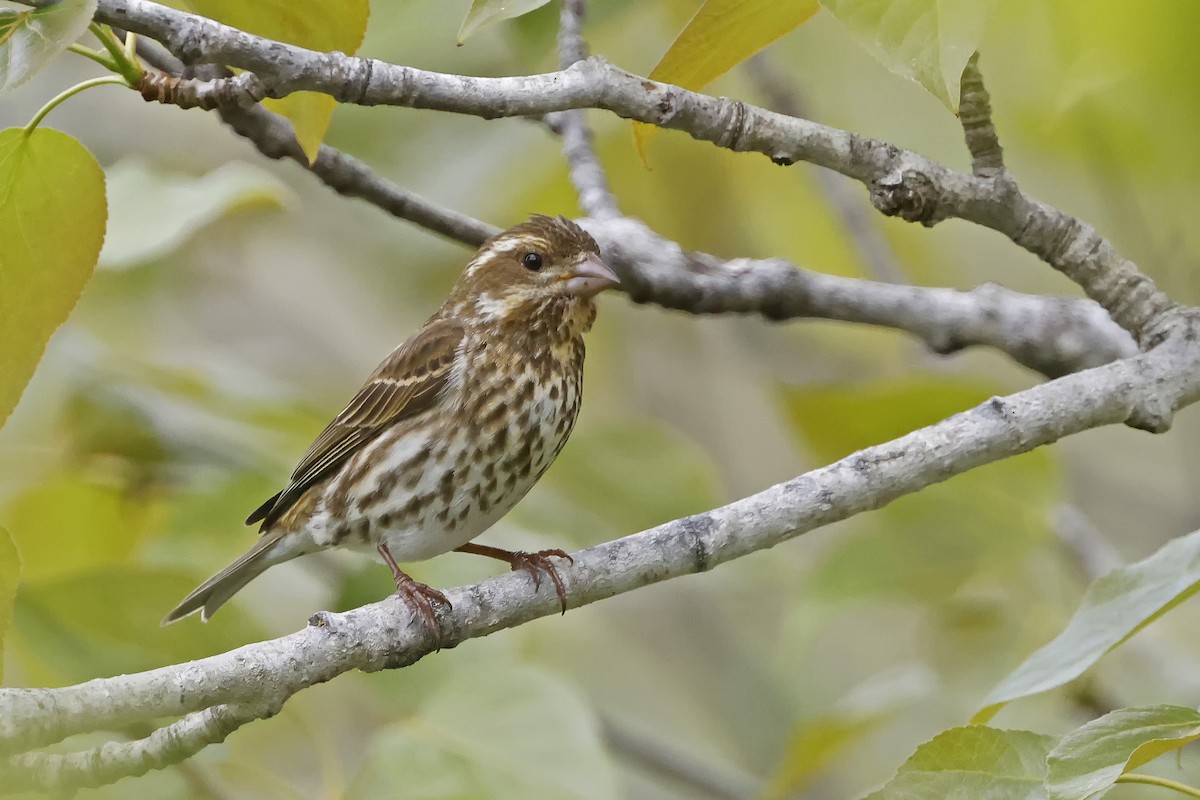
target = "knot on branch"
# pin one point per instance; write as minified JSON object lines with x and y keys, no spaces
{"x":352,"y":76}
{"x":1170,"y":379}
{"x":240,"y":91}
{"x":735,"y":123}
{"x":908,"y":194}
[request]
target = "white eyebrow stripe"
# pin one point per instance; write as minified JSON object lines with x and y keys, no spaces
{"x":517,"y":243}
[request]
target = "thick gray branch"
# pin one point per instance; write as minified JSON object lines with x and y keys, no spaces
{"x":1053,"y":336}
{"x":902,"y":183}
{"x":379,"y":636}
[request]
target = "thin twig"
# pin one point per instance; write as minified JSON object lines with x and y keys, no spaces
{"x":112,"y":761}
{"x":659,"y":758}
{"x":857,"y":216}
{"x":586,"y":172}
{"x":975,"y":116}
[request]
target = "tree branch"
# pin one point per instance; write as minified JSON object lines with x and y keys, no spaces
{"x":112,"y":761}
{"x":346,"y":175}
{"x":586,"y":172}
{"x":1053,"y":336}
{"x":378,"y":636}
{"x":902,"y":183}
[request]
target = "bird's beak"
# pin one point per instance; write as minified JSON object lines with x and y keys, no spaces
{"x":590,"y":276}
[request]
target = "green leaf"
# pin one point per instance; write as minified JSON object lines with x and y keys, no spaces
{"x":49,"y":184}
{"x":928,"y":41}
{"x":925,"y":546}
{"x":314,"y":24}
{"x":488,"y":12}
{"x":721,"y":35}
{"x":498,"y":732}
{"x":972,"y":762}
{"x":105,"y":622}
{"x":179,"y":205}
{"x":10,"y":576}
{"x":31,"y":39}
{"x":1091,"y":758}
{"x":1115,"y":607}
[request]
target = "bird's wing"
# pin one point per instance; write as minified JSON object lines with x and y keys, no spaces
{"x":403,"y":386}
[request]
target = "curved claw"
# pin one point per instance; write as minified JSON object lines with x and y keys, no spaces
{"x":537,"y":563}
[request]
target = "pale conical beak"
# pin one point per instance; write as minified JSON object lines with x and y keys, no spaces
{"x":590,"y":277}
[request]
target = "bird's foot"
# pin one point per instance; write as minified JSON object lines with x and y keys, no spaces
{"x":537,"y":563}
{"x":533,"y":563}
{"x":419,"y":597}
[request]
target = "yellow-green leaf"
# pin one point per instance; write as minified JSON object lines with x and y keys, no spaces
{"x":315,"y":24}
{"x":1090,"y":759}
{"x":10,"y":575}
{"x":971,"y":762}
{"x":31,"y":39}
{"x":723,"y":34}
{"x":487,"y":12}
{"x":928,"y":41}
{"x":1115,"y":607}
{"x":49,"y":184}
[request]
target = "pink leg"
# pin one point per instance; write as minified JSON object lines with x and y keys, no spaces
{"x":533,"y":563}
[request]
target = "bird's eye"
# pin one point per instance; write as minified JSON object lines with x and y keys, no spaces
{"x":532,"y":261}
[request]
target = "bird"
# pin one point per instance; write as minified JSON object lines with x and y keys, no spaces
{"x":451,"y":430}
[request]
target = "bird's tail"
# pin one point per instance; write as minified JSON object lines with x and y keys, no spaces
{"x":212,"y":594}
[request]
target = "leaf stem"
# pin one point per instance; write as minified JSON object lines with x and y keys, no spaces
{"x":1153,"y":780}
{"x":126,"y":63}
{"x":130,"y":49}
{"x":94,"y":55}
{"x":71,"y":92}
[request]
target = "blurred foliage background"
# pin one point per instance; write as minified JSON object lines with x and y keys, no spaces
{"x":239,"y":303}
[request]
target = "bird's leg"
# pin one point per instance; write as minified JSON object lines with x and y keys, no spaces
{"x":533,"y":563}
{"x":419,"y":597}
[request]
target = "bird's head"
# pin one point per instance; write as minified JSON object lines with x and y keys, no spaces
{"x":541,"y":264}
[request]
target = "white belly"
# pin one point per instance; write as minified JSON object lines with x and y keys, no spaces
{"x":469,"y":478}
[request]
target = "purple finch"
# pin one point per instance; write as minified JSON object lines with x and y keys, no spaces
{"x":451,"y":430}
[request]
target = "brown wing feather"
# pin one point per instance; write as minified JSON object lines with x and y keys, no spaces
{"x":404,"y":385}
